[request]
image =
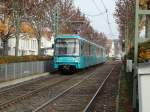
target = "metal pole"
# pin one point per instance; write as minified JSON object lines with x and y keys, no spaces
{"x":135,"y":54}
{"x":55,"y":19}
{"x":126,"y":40}
{"x":126,"y":30}
{"x":148,"y":22}
{"x":16,"y":19}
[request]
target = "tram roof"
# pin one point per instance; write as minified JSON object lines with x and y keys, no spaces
{"x":69,"y":36}
{"x":79,"y":37}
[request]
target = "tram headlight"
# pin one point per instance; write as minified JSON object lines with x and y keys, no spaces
{"x":77,"y":59}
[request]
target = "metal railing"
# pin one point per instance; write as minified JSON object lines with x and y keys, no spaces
{"x":23,"y":69}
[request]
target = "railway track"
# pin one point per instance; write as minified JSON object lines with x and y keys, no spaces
{"x":11,"y":100}
{"x":75,"y":98}
{"x":96,"y":93}
{"x":105,"y":97}
{"x":26,"y":87}
{"x":11,"y":87}
{"x":65,"y":93}
{"x":8,"y":99}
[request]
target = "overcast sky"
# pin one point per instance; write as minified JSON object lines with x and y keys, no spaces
{"x":95,"y":7}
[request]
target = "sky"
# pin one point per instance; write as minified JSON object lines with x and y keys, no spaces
{"x":94,"y":10}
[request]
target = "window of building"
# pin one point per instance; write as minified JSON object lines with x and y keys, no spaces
{"x":34,"y":44}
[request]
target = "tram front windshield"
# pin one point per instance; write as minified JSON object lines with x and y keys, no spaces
{"x":67,"y":47}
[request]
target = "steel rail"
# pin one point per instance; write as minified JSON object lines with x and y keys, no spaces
{"x":15,"y":100}
{"x":32,"y":81}
{"x":96,"y":93}
{"x":62,"y":93}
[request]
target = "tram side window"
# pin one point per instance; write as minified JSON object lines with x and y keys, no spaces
{"x":87,"y":49}
{"x":100,"y":51}
{"x":104,"y":52}
{"x":84,"y":48}
{"x":91,"y":50}
{"x":97,"y":52}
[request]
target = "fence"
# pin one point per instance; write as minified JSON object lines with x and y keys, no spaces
{"x":18,"y":70}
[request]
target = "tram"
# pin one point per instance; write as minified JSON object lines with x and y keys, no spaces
{"x":72,"y":52}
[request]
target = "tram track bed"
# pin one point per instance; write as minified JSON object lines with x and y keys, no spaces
{"x":106,"y":98}
{"x":11,"y":85}
{"x":65,"y":93}
{"x":13,"y":96}
{"x":76,"y":98}
{"x":23,"y":88}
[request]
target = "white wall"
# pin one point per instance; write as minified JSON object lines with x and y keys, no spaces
{"x":27,"y":45}
{"x":46,"y":45}
{"x":115,"y":50}
{"x":112,"y":52}
{"x":0,"y":43}
{"x":1,"y":48}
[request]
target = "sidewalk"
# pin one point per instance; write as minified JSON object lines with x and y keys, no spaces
{"x":13,"y":82}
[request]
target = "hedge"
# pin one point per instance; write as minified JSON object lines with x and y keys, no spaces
{"x":16,"y":59}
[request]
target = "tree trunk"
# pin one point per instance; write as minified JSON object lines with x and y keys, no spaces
{"x":17,"y":23}
{"x":5,"y":47}
{"x":17,"y":45}
{"x":39,"y":44}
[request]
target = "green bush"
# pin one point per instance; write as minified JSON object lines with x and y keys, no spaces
{"x":16,"y":59}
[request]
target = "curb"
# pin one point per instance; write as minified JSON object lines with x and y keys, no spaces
{"x":17,"y":81}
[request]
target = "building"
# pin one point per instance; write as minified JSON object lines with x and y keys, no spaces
{"x":47,"y":42}
{"x":112,"y":52}
{"x":27,"y":45}
{"x":108,"y":45}
{"x":1,"y":47}
{"x":47,"y":45}
{"x":115,"y":50}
